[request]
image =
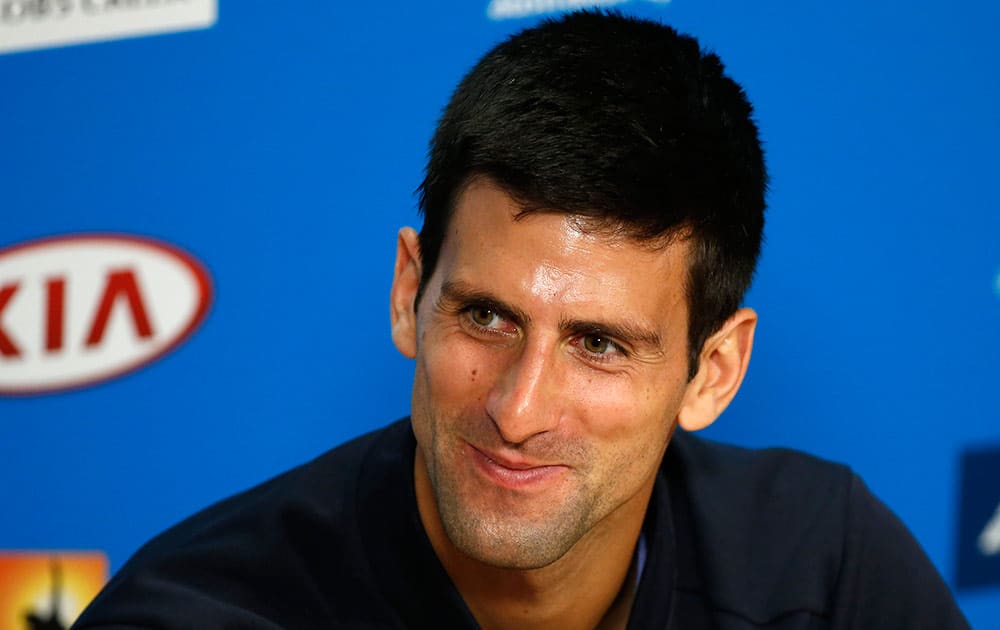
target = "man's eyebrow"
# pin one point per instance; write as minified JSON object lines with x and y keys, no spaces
{"x":627,"y":331}
{"x":459,"y":292}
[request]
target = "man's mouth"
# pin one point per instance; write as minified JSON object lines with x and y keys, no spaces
{"x":513,"y":471}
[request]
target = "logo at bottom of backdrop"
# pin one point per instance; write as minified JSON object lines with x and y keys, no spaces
{"x":47,"y":590}
{"x":979,"y":519}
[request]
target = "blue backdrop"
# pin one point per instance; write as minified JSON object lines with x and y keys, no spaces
{"x":281,"y":147}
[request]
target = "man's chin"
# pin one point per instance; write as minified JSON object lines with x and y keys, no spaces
{"x":509,"y":544}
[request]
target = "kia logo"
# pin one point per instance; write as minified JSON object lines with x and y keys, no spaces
{"x":77,"y":310}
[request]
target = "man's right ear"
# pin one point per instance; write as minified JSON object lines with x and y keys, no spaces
{"x":405,"y":284}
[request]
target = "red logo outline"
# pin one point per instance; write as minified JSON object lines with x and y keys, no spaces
{"x":196,"y":267}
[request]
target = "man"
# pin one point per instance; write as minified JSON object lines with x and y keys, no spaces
{"x":593,"y":212}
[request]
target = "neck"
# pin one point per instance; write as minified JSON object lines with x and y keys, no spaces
{"x":591,"y":586}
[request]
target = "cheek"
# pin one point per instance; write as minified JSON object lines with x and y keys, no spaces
{"x":632,"y":422}
{"x":458,"y":374}
{"x":610,"y":407}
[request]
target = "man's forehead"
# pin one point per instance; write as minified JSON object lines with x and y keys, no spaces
{"x":481,"y":193}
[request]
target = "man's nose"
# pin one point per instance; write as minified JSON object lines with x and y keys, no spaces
{"x":524,"y":401}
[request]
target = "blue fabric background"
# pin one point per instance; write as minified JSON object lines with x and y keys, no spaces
{"x":282,"y":147}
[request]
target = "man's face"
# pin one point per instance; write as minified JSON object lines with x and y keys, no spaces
{"x":551,"y":363}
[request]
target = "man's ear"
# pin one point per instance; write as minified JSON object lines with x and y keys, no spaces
{"x":721,"y":368}
{"x":405,"y":284}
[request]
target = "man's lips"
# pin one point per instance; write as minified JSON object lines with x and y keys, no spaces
{"x":513,"y":472}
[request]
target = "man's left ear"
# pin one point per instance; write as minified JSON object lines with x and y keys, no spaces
{"x":721,"y":368}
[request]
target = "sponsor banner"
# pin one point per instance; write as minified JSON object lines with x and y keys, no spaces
{"x":510,"y":9}
{"x":48,"y":589}
{"x":979,"y":519}
{"x":80,"y":309}
{"x":30,"y":24}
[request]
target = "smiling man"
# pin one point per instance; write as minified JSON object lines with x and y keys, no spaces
{"x":552,"y":368}
{"x":593,"y":211}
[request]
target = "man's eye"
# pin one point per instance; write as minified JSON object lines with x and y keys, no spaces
{"x":483,"y":316}
{"x":597,"y":344}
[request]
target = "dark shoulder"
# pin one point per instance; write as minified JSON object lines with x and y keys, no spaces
{"x":316,"y":493}
{"x":779,"y":537}
{"x":778,"y":477}
{"x":768,"y":526}
{"x":256,"y":558}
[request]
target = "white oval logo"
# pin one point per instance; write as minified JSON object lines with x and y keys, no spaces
{"x":80,"y":309}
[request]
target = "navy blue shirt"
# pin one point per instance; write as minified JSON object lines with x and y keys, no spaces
{"x":736,"y":539}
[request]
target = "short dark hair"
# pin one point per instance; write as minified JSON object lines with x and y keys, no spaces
{"x":622,"y":122}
